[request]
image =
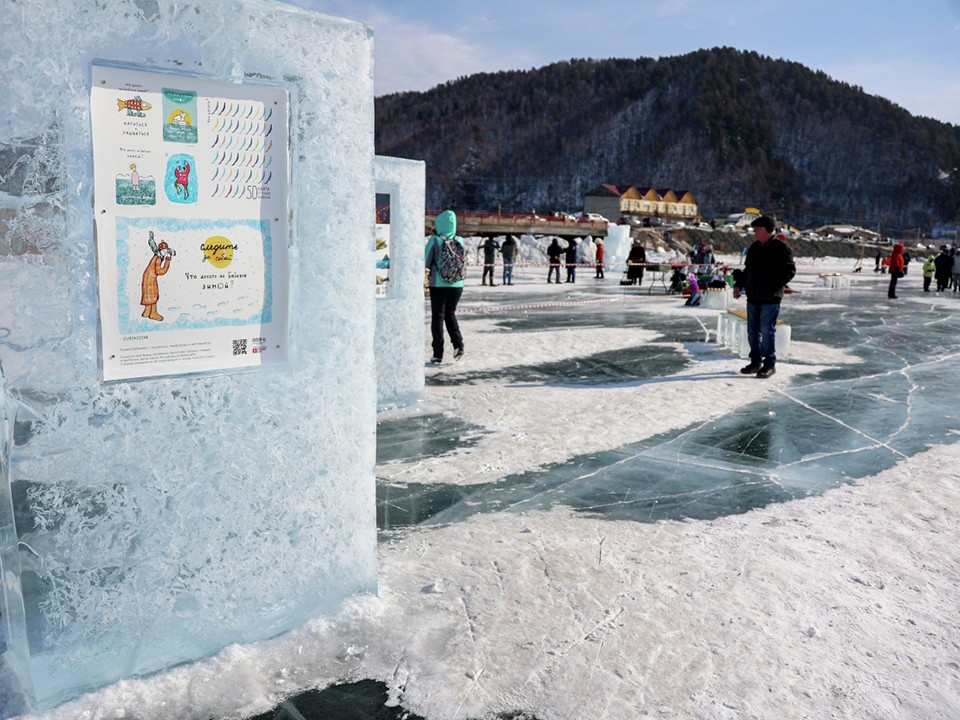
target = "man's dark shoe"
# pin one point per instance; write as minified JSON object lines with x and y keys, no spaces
{"x":766,"y":372}
{"x":458,"y":353}
{"x":751,"y":369}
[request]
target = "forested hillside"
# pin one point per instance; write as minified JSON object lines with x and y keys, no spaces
{"x":734,"y":128}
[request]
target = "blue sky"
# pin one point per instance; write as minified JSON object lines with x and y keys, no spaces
{"x":907,"y":52}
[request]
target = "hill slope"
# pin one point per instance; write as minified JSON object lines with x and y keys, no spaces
{"x":732,"y":127}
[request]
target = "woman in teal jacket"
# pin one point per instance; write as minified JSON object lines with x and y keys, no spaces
{"x":444,"y":295}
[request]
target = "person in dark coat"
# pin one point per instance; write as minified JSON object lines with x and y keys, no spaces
{"x":943,"y":265}
{"x":768,"y":268}
{"x":571,"y":254}
{"x":509,"y":252}
{"x":553,"y":257}
{"x":490,"y":247}
{"x":635,"y":262}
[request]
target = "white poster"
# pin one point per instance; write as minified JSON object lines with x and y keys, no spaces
{"x":382,"y":244}
{"x":191,"y":217}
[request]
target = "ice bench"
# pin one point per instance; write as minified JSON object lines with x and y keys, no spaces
{"x":834,"y":280}
{"x":716,"y":298}
{"x":732,"y":333}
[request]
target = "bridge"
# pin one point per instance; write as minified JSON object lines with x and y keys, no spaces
{"x":478,"y":224}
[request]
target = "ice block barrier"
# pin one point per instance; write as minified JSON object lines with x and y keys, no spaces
{"x":732,"y":334}
{"x":399,"y":339}
{"x":148,"y":523}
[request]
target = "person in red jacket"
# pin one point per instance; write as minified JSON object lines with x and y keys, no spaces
{"x":598,"y":259}
{"x":896,"y":266}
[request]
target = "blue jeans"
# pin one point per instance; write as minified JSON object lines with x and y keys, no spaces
{"x":508,"y":271}
{"x":761,"y":330}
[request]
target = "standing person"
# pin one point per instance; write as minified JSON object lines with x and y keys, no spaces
{"x":509,"y":252}
{"x":768,"y":268}
{"x":598,"y":259}
{"x":490,"y":247}
{"x":571,"y":259}
{"x":158,"y":265}
{"x":955,"y":271}
{"x":928,"y":269}
{"x":896,"y":265}
{"x":635,"y":262}
{"x":944,"y":268}
{"x":446,"y":283}
{"x":553,"y":256}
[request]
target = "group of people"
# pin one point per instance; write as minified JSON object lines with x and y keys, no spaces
{"x":569,"y":256}
{"x":768,"y":267}
{"x":944,"y":268}
{"x":508,"y":251}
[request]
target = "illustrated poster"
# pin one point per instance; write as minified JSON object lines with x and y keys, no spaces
{"x":190,"y":201}
{"x":382,"y":244}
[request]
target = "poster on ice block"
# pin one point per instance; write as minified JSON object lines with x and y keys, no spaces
{"x":190,"y":203}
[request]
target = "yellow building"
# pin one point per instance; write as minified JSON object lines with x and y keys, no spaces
{"x":630,"y":202}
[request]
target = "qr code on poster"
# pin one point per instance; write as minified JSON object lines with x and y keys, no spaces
{"x":240,"y":347}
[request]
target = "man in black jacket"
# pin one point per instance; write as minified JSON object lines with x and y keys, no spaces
{"x":767,"y":270}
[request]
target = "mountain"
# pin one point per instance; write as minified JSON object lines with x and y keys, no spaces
{"x":734,"y":128}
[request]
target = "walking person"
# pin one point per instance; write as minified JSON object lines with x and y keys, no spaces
{"x":768,"y":267}
{"x":553,"y":257}
{"x":445,"y":257}
{"x":490,"y":247}
{"x":896,"y":265}
{"x":598,"y":259}
{"x":509,"y":253}
{"x":571,"y":259}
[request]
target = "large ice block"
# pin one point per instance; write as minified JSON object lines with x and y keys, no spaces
{"x":148,"y":523}
{"x":399,"y":342}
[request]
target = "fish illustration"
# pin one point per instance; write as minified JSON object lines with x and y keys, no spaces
{"x":136,"y":106}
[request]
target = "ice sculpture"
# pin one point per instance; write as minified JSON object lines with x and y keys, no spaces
{"x":399,"y":346}
{"x":148,"y":523}
{"x":617,"y":245}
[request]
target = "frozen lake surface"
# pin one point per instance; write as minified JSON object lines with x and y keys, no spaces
{"x":593,"y":514}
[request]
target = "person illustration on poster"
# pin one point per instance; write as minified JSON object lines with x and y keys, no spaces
{"x":182,"y":175}
{"x":134,"y":177}
{"x":149,"y":288}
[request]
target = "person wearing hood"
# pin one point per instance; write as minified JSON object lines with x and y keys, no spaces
{"x":896,"y":266}
{"x":571,"y":258}
{"x":553,"y":256}
{"x":445,"y":292}
{"x":929,"y":268}
{"x":598,"y":258}
{"x":768,"y":267}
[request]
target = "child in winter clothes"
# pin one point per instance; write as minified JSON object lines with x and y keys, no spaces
{"x":694,"y":298}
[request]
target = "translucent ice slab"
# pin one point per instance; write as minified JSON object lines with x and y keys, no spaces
{"x":399,"y":343}
{"x":144,"y":524}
